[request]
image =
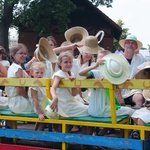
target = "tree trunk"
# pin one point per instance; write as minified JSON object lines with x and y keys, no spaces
{"x":4,"y":36}
{"x":5,"y":23}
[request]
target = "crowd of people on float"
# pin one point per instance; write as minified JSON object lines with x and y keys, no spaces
{"x":51,"y":61}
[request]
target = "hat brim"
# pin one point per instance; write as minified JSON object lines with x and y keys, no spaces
{"x":90,"y":50}
{"x":125,"y":65}
{"x":54,"y":115}
{"x":122,"y":42}
{"x":146,"y":94}
{"x":144,"y":73}
{"x":37,"y":56}
{"x":45,"y":52}
{"x":76,"y":34}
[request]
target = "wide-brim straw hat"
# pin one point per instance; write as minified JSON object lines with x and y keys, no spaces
{"x":133,"y":38}
{"x":44,"y":51}
{"x":144,"y":73}
{"x":49,"y":113}
{"x":76,"y":34}
{"x":115,"y":69}
{"x":90,"y":45}
{"x":146,"y":94}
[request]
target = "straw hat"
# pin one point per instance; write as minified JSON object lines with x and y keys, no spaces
{"x":76,"y":34}
{"x":133,"y":38}
{"x":115,"y":69}
{"x":44,"y":51}
{"x":45,"y":107}
{"x":146,"y":94}
{"x":144,"y":73}
{"x":90,"y":45}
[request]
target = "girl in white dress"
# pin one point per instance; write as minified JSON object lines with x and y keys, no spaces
{"x":18,"y":97}
{"x":64,"y":97}
{"x":37,"y":94}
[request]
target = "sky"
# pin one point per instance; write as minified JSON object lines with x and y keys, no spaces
{"x":135,"y":14}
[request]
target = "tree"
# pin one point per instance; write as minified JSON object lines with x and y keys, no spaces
{"x":123,"y":35}
{"x":107,"y":3}
{"x":36,"y":14}
{"x":44,"y":14}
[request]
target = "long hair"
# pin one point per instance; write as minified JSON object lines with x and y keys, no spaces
{"x":15,"y":49}
{"x":3,"y":52}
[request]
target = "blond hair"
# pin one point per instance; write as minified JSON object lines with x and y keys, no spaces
{"x":39,"y":65}
{"x":62,"y":55}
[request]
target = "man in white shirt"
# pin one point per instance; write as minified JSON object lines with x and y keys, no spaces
{"x":130,"y":45}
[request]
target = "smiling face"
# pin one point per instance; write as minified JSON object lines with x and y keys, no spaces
{"x":66,"y":64}
{"x":38,"y":73}
{"x":86,"y":57}
{"x":20,"y":56}
{"x":130,"y":45}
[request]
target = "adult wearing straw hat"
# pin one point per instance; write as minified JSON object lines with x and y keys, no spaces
{"x":130,"y":45}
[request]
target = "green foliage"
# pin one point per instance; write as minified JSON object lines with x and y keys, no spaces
{"x":41,"y":15}
{"x":123,"y":35}
{"x":107,"y":3}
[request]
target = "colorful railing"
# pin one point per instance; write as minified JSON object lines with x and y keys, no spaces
{"x":66,"y":137}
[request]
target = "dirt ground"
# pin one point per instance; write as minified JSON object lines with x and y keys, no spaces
{"x":54,"y":145}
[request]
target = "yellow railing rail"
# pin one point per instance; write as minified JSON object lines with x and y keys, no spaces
{"x":85,"y":83}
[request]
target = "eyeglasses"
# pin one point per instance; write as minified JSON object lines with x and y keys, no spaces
{"x":21,"y":53}
{"x":131,"y":42}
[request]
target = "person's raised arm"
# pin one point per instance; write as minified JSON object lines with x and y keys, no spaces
{"x":29,"y":63}
{"x":60,"y":49}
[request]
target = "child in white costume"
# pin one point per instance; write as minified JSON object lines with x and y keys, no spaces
{"x":18,"y":97}
{"x":64,"y":97}
{"x":37,"y":94}
{"x":99,"y":105}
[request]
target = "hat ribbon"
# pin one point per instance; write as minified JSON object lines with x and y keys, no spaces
{"x":109,"y":71}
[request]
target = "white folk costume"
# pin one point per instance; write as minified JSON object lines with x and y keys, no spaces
{"x":41,"y":94}
{"x":17,"y":103}
{"x":68,"y":104}
{"x":99,"y":105}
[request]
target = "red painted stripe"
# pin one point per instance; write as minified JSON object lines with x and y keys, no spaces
{"x":20,"y":147}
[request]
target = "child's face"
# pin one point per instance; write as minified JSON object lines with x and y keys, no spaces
{"x":86,"y":56}
{"x":51,"y":44}
{"x":66,"y":64}
{"x":38,"y":73}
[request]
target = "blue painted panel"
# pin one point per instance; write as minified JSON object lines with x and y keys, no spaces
{"x":73,"y":138}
